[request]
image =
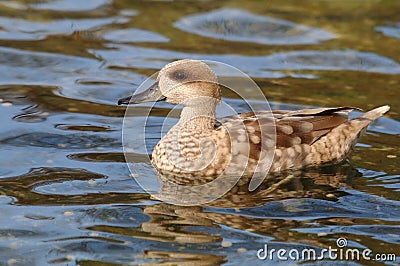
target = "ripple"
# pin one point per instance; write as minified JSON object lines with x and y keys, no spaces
{"x":367,"y":206}
{"x":31,"y":114}
{"x":21,"y":29}
{"x":267,"y":66}
{"x":390,"y":30}
{"x":334,"y":60}
{"x":238,"y":25}
{"x":35,"y":186}
{"x":16,"y":58}
{"x":71,"y":141}
{"x":78,"y":77}
{"x":13,"y":5}
{"x":5,"y":35}
{"x":11,"y":233}
{"x":118,"y":215}
{"x":386,"y":233}
{"x":134,"y":35}
{"x":6,"y":200}
{"x":70,"y":5}
{"x":98,"y":157}
{"x":386,"y":125}
{"x":109,"y":157}
{"x":84,"y":128}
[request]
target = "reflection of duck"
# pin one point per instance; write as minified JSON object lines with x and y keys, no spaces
{"x":246,"y":211}
{"x":200,"y":145}
{"x":318,"y":183}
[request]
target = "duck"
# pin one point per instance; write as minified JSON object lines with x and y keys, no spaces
{"x":263,"y":142}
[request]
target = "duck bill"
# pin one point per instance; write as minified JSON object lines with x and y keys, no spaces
{"x":152,"y":94}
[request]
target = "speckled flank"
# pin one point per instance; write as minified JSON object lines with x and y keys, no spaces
{"x":200,"y":146}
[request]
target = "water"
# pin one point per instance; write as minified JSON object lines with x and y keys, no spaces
{"x":66,"y":194}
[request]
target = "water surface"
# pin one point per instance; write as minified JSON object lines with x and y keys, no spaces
{"x":66,"y":194}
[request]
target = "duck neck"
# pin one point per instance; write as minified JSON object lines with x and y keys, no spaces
{"x":198,"y":114}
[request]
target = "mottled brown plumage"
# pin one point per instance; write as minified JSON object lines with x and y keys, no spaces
{"x":199,"y":145}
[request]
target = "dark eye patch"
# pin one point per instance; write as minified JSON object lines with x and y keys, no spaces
{"x":179,"y":75}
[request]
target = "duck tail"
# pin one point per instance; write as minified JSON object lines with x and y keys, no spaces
{"x":360,"y":123}
{"x":370,"y":116}
{"x":344,"y":137}
{"x":355,"y":128}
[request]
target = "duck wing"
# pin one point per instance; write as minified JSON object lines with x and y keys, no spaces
{"x":292,"y":127}
{"x":308,"y":125}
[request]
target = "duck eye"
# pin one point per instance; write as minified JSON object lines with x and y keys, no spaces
{"x":179,"y":75}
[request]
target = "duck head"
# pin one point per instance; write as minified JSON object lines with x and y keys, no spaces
{"x":180,"y":82}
